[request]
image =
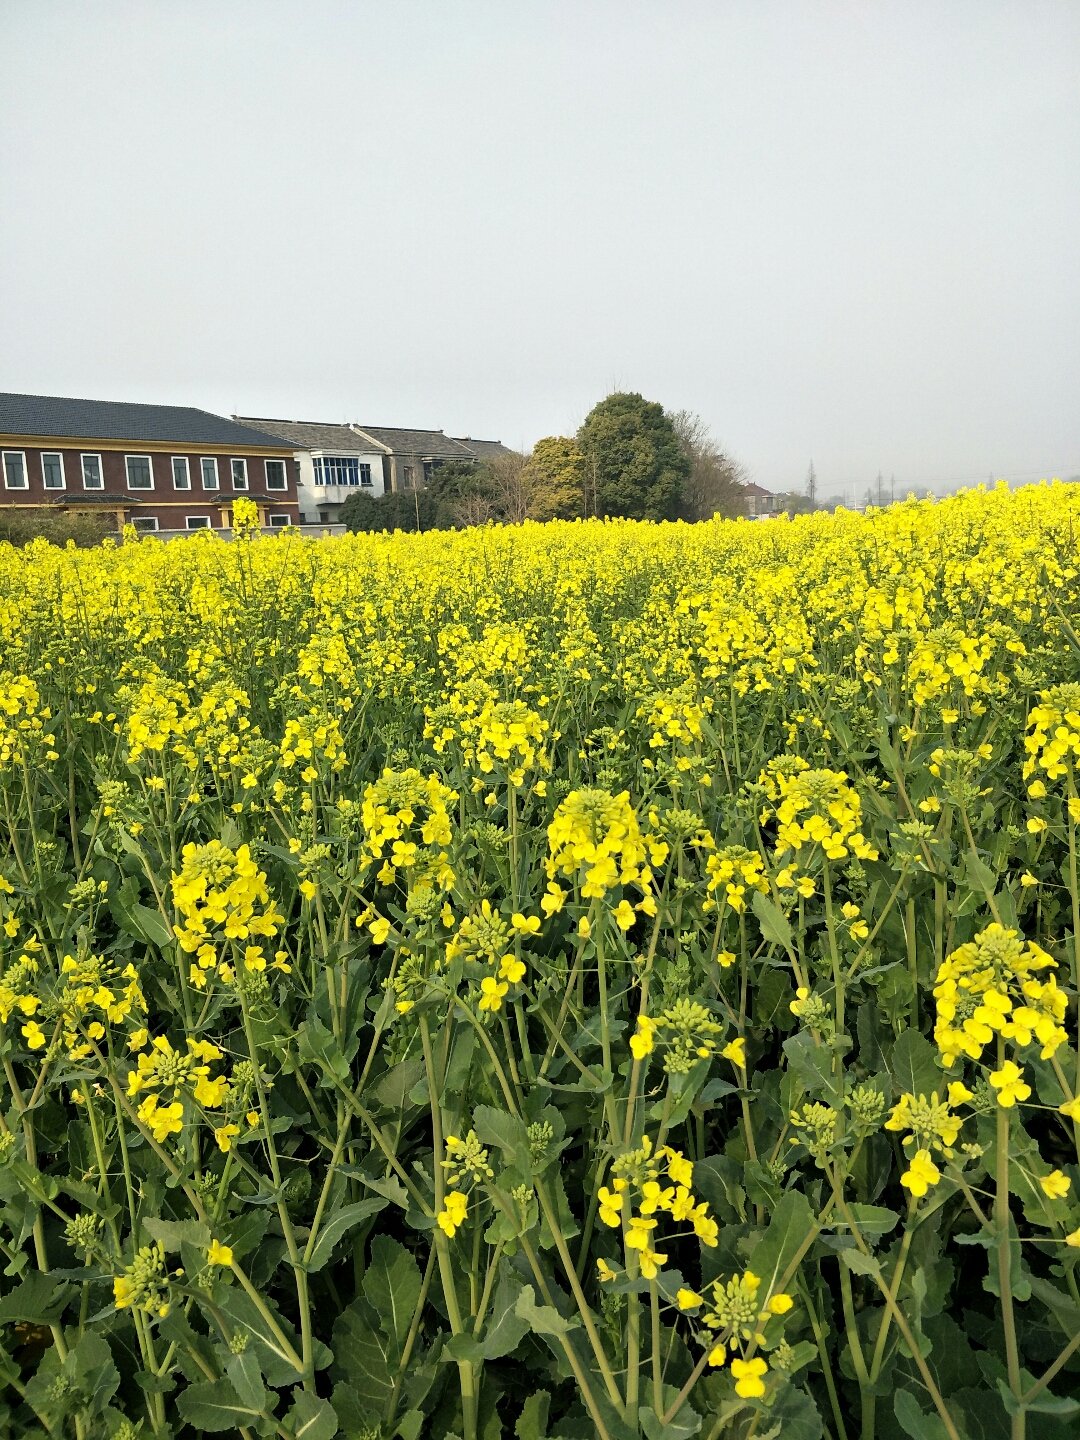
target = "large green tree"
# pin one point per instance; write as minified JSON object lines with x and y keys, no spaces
{"x":634,"y":464}
{"x":553,"y":479}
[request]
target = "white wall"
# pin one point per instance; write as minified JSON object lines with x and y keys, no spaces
{"x":311,"y":496}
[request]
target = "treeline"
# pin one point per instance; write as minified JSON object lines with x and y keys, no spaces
{"x":629,"y":458}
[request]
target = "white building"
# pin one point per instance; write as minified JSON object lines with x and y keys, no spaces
{"x":331,"y":462}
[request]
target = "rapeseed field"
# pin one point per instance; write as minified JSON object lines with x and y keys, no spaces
{"x":570,"y":980}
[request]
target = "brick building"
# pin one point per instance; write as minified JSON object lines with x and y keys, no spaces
{"x":160,"y":467}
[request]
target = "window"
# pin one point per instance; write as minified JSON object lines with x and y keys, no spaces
{"x":91,"y":473}
{"x":278,"y":522}
{"x":52,"y":469}
{"x":140,"y":472}
{"x":14,"y":470}
{"x":209,"y":473}
{"x":339,"y":470}
{"x":275,"y":475}
{"x":407,"y":473}
{"x":198,"y":522}
{"x":365,"y":474}
{"x":145,"y":524}
{"x":239,"y":474}
{"x":181,"y":475}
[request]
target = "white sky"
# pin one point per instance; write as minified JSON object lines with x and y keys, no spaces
{"x":839,"y":230}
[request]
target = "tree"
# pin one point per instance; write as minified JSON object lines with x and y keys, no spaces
{"x":553,"y":479}
{"x":396,"y":510}
{"x":715,"y":483}
{"x":633,"y":462}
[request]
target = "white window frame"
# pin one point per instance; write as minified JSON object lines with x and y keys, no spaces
{"x":52,"y":489}
{"x":92,"y":455}
{"x":283,"y":487}
{"x":202,"y":522}
{"x":211,"y":459}
{"x":183,"y":460}
{"x":279,"y":521}
{"x":140,"y":489}
{"x":238,"y":460}
{"x":146,"y":524}
{"x":25,"y":473}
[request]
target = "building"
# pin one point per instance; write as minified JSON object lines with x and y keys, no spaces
{"x":484,"y":450}
{"x":159,"y":467}
{"x":410,"y":457}
{"x":761,"y":502}
{"x":330,"y":463}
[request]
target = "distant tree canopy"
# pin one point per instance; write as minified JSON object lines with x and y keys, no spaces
{"x":633,"y":461}
{"x":715,"y":483}
{"x":630,"y":458}
{"x":19,"y":525}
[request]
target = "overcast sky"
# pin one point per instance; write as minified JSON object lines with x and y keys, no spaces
{"x":840,"y":231}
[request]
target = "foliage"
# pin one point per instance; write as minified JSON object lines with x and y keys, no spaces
{"x":20,"y":524}
{"x":555,"y":479}
{"x":714,"y":485}
{"x":590,"y":979}
{"x":408,"y":510}
{"x":633,"y":461}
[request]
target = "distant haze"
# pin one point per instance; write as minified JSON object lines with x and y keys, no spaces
{"x":843,"y":231}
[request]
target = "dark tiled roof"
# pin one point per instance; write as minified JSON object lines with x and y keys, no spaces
{"x":483,"y":449}
{"x":425,"y":443}
{"x":312,"y":434}
{"x":119,"y":420}
{"x":753,"y":489}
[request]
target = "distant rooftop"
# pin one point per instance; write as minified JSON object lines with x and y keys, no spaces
{"x":56,"y":415}
{"x":429,"y":444}
{"x":483,"y":449}
{"x":311,"y":434}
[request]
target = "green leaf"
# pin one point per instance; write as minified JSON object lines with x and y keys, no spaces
{"x":532,"y":1422}
{"x":362,"y":1365}
{"x":811,"y":1062}
{"x":245,"y":1315}
{"x":334,"y":1230}
{"x":913,"y":1065}
{"x":214,"y":1406}
{"x":773,"y":923}
{"x":244,"y":1372}
{"x":795,"y":1415}
{"x":686,"y":1423}
{"x":311,"y":1418}
{"x":37,"y":1300}
{"x":860,"y":1264}
{"x":392,"y":1284}
{"x":541,"y":1319}
{"x":873,"y":1221}
{"x":318,"y":1047}
{"x":171,"y":1234}
{"x":916,"y":1422}
{"x":507,"y":1133}
{"x":792,"y":1221}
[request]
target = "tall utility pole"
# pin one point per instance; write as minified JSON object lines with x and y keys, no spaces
{"x":880,"y":488}
{"x":811,"y":486}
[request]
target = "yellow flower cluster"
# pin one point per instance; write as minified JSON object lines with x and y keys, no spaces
{"x":594,"y":840}
{"x":739,"y":1315}
{"x":991,"y":987}
{"x":637,"y":1194}
{"x":1053,"y":746}
{"x":932,"y":1126}
{"x":407,"y":828}
{"x":160,"y":1071}
{"x":221,"y":896}
{"x":23,"y":735}
{"x":814,"y":808}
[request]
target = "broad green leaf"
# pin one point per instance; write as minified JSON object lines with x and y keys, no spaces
{"x":913,"y":1065}
{"x":859,"y":1263}
{"x":686,"y":1423}
{"x":532,"y":1422}
{"x":792,"y":1221}
{"x":317,"y":1047}
{"x":244,"y":1372}
{"x":311,"y":1418}
{"x":248,"y":1319}
{"x":392,"y":1284}
{"x":811,"y":1062}
{"x":914,"y":1421}
{"x":362,"y":1366}
{"x":333,"y":1230}
{"x":541,"y":1319}
{"x":214,"y":1406}
{"x":506,"y":1133}
{"x":171,"y":1234}
{"x":37,"y":1300}
{"x":774,"y":925}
